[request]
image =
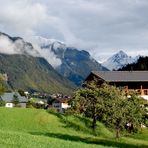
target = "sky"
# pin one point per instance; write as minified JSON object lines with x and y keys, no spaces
{"x":102,"y":27}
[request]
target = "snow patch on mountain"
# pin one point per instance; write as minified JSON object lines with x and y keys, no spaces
{"x":47,"y":43}
{"x":46,"y":47}
{"x":119,"y":60}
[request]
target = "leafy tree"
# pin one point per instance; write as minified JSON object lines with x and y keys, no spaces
{"x":21,"y":92}
{"x":2,"y":90}
{"x":2,"y":103}
{"x":114,"y":108}
{"x":15,"y":100}
{"x":89,"y":102}
{"x":110,"y":105}
{"x":135,"y":111}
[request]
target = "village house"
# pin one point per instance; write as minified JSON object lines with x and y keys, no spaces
{"x":129,"y":80}
{"x":61,"y":104}
{"x":9,"y":97}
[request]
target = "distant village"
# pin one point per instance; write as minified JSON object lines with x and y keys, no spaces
{"x":60,"y":102}
{"x":24,"y":99}
{"x":39,"y":100}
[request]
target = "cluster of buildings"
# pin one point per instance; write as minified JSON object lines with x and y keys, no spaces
{"x":57,"y":101}
{"x":128,"y":80}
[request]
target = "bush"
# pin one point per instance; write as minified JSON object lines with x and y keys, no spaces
{"x":2,"y":103}
{"x":17,"y":105}
{"x":51,"y":110}
{"x":29,"y":106}
{"x":71,"y":111}
{"x":146,"y":120}
{"x":146,"y":123}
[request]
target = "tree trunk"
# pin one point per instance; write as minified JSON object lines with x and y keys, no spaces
{"x":94,"y":119}
{"x":117,"y":132}
{"x":94,"y":123}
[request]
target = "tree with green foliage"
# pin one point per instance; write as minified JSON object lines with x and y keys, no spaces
{"x":115,"y":103}
{"x":89,"y":102}
{"x":109,"y":105}
{"x":21,"y":92}
{"x":135,"y":111}
{"x":15,"y":100}
{"x":2,"y":103}
{"x":2,"y":90}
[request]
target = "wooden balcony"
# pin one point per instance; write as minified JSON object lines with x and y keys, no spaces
{"x":140,"y":91}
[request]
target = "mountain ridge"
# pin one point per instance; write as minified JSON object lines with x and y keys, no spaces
{"x":119,"y":60}
{"x":75,"y":64}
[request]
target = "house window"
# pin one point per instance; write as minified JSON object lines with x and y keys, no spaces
{"x":56,"y":106}
{"x":145,"y":92}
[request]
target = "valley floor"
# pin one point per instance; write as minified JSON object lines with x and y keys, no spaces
{"x":32,"y":128}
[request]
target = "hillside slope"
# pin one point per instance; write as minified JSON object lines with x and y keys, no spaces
{"x":33,"y":128}
{"x":32,"y":74}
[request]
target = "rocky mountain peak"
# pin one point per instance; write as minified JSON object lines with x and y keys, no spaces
{"x":118,"y":60}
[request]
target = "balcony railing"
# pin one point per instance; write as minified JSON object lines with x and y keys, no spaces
{"x":140,"y":91}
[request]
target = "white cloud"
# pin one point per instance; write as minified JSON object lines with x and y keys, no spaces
{"x":18,"y":46}
{"x":99,"y":26}
{"x":8,"y":46}
{"x":21,"y":17}
{"x":48,"y":55}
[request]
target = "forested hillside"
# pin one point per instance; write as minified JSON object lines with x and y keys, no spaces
{"x":32,"y":74}
{"x":141,"y":64}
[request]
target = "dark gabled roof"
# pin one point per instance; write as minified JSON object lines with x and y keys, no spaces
{"x":61,"y":100}
{"x":122,"y":76}
{"x":8,"y":97}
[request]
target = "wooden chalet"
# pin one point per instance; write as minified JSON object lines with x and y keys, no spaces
{"x":130,"y":80}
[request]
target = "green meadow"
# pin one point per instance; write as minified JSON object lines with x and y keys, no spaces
{"x":32,"y":128}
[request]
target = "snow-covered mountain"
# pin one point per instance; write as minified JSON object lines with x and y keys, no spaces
{"x":44,"y":42}
{"x":75,"y":64}
{"x":119,"y":60}
{"x":26,"y":67}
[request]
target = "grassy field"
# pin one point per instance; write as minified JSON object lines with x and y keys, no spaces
{"x":31,"y":128}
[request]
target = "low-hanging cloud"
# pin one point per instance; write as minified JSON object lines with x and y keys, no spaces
{"x":100,"y":26}
{"x":6,"y":46}
{"x":48,"y":55}
{"x":19,"y":46}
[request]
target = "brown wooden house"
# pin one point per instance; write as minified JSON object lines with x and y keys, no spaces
{"x":130,"y":80}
